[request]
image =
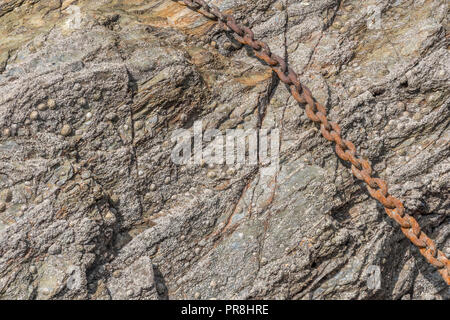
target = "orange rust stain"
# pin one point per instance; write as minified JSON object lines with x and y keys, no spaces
{"x":255,"y":78}
{"x":307,"y":241}
{"x":180,"y":17}
{"x":169,"y":10}
{"x":62,"y":213}
{"x":223,"y":186}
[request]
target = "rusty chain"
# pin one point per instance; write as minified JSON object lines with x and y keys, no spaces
{"x":331,"y":131}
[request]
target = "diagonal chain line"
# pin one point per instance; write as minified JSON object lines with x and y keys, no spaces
{"x":331,"y":131}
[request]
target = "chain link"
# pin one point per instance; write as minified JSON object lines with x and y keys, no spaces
{"x":331,"y":131}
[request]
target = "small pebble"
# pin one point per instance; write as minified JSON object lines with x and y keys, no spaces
{"x":279,"y":6}
{"x":130,"y":292}
{"x":111,"y":116}
{"x":54,"y":249}
{"x":418,"y":116}
{"x":167,"y":180}
{"x":42,"y":107}
{"x":39,"y":199}
{"x":82,"y":102}
{"x":34,"y":115}
{"x":85,"y":175}
{"x":109,"y":216}
{"x":33,"y":269}
{"x":442,"y":73}
{"x":213,"y":44}
{"x":51,"y":104}
{"x":231,"y":172}
{"x":197,"y":295}
{"x":45,"y":291}
{"x":213,"y":284}
{"x":401,"y":106}
{"x":66,"y":130}
{"x":138,"y":125}
{"x":97,"y":96}
{"x":115,"y":198}
{"x":117,"y":274}
{"x":88,"y":116}
{"x":125,"y":127}
{"x":211,"y":174}
{"x":6,"y":132}
{"x":2,"y":206}
{"x":152,"y":187}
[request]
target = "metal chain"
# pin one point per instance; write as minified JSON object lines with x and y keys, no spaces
{"x":331,"y":131}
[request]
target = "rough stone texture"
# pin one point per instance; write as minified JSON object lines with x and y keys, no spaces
{"x":104,"y":213}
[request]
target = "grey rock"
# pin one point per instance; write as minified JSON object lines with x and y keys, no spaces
{"x":136,"y":281}
{"x":109,"y":215}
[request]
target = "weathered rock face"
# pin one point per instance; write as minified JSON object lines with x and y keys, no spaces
{"x":93,"y":207}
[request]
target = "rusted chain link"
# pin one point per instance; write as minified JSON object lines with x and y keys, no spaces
{"x":331,"y":131}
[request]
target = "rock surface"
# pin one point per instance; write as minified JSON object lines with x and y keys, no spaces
{"x":93,"y":207}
